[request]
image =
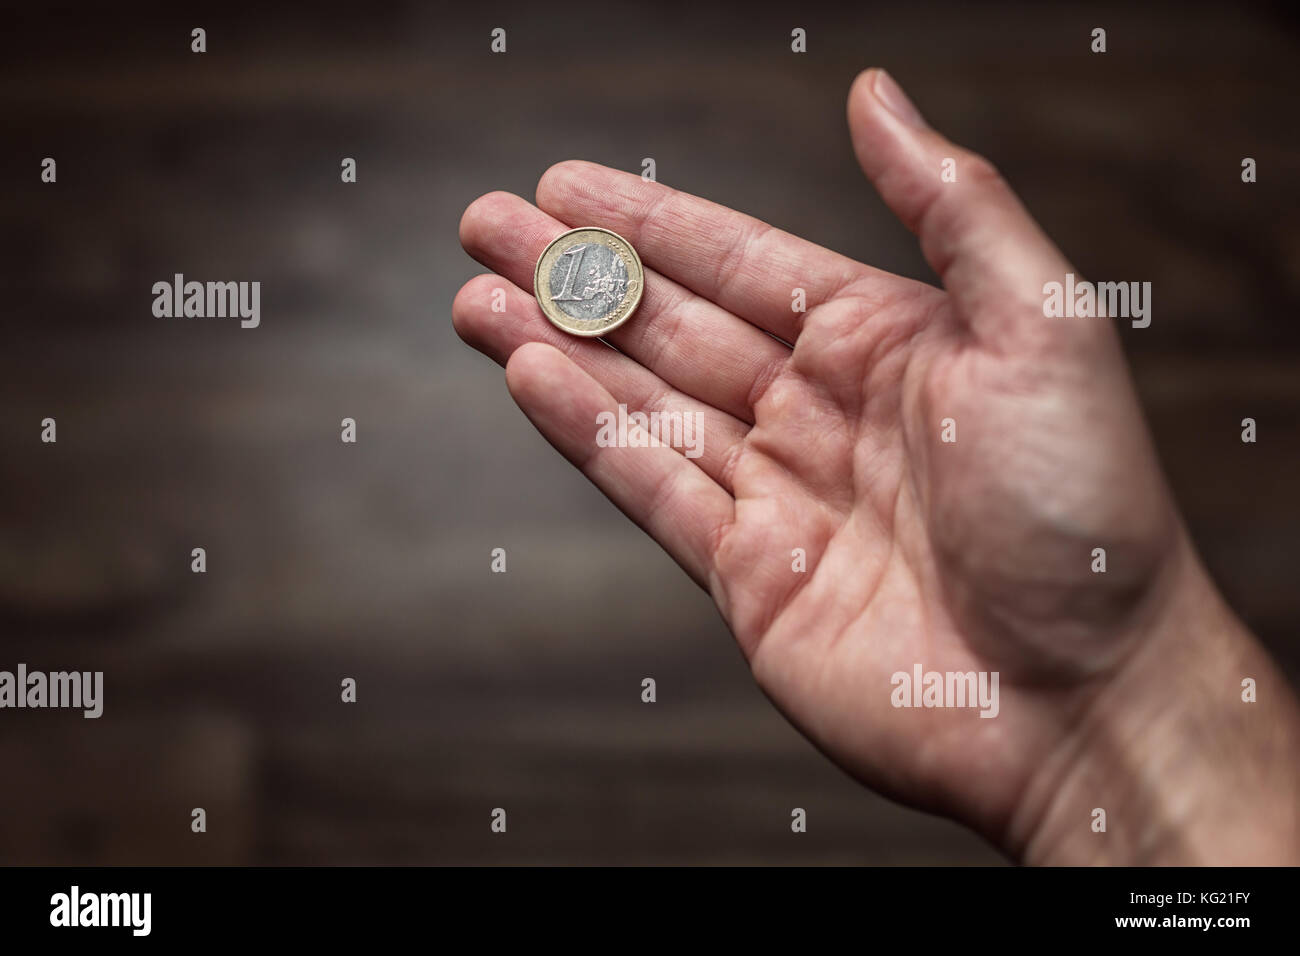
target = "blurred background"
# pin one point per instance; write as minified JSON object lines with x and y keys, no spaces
{"x":326,"y":560}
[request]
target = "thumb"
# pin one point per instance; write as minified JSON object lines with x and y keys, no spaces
{"x":989,"y":253}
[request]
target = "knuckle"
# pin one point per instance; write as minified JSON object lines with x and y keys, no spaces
{"x":982,"y":172}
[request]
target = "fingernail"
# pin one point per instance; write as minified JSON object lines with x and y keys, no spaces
{"x":895,"y":100}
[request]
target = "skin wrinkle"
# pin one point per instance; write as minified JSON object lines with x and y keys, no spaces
{"x":874,"y":591}
{"x":767,"y":376}
{"x":664,"y":490}
{"x":662,"y":350}
{"x":730,"y":461}
{"x":714,"y":538}
{"x":667,"y":487}
{"x":942,"y":244}
{"x":877,"y":293}
{"x":677,"y":298}
{"x":889,"y":344}
{"x":773,"y":455}
{"x":668,"y":338}
{"x":788,"y":600}
{"x":657,"y":400}
{"x":814,"y":352}
{"x":945,"y":205}
{"x":665,"y":338}
{"x":798,"y":587}
{"x":858,"y":486}
{"x":1089,"y":736}
{"x":649,"y":208}
{"x":745,"y":238}
{"x":664,"y":203}
{"x":853,"y":274}
{"x":853,"y":410}
{"x":770,"y":620}
{"x":1088,"y":718}
{"x":638,"y":392}
{"x":685,"y":299}
{"x":851,"y":425}
{"x":1028,"y":816}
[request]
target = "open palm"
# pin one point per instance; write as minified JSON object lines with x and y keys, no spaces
{"x":900,"y":475}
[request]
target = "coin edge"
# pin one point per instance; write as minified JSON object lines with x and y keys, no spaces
{"x":636,"y":298}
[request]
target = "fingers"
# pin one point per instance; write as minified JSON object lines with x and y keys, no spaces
{"x":498,"y":334}
{"x":672,"y":500}
{"x":991,"y":255}
{"x":744,"y":265}
{"x":685,"y":340}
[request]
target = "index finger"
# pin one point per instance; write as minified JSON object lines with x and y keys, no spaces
{"x":746,"y":266}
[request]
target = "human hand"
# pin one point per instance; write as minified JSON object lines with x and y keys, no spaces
{"x":1117,"y":690}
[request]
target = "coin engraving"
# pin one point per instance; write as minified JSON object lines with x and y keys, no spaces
{"x":593,"y":281}
{"x":588,"y":281}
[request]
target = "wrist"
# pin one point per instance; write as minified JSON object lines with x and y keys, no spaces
{"x":1185,"y":769}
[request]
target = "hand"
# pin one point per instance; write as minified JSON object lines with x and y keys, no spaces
{"x":973,"y":554}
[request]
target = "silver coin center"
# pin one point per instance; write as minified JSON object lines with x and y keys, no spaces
{"x":588,"y":281}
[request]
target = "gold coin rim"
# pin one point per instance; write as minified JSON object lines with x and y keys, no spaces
{"x":635,"y":298}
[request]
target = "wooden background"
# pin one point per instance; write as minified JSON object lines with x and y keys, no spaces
{"x":371,"y":561}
